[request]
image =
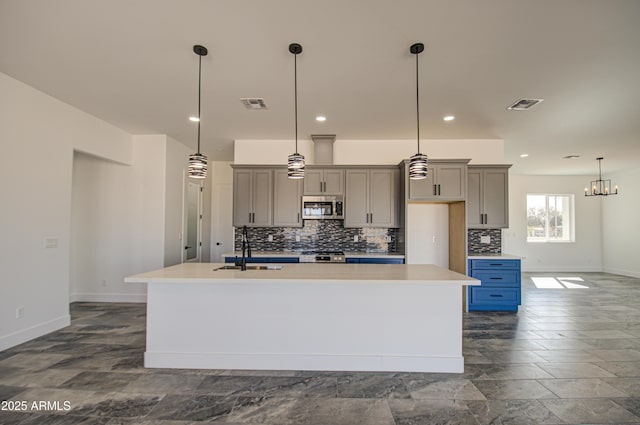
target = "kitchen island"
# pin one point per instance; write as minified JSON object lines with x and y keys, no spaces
{"x":353,"y":317}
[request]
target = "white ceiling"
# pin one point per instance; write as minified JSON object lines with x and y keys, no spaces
{"x":131,"y":63}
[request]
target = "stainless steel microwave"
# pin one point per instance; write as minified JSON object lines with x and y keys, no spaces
{"x":323,"y":207}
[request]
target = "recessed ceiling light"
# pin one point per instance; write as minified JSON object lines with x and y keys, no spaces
{"x":524,"y":155}
{"x":194,"y":119}
{"x":449,"y":118}
{"x":320,"y":118}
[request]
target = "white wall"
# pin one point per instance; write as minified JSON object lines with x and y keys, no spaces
{"x":620,"y":230}
{"x":584,"y":255}
{"x":367,"y":152}
{"x":38,"y":135}
{"x":428,"y":234}
{"x":222,"y":207}
{"x":117,"y":222}
{"x":175,"y":162}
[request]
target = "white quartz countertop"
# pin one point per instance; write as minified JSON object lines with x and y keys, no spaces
{"x":311,"y":272}
{"x":494,"y":257}
{"x":289,"y":254}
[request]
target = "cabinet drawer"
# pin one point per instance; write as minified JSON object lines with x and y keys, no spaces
{"x":495,"y":264}
{"x":497,"y":278}
{"x":495,"y":296}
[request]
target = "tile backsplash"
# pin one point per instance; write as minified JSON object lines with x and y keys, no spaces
{"x":319,"y":235}
{"x":476,"y":246}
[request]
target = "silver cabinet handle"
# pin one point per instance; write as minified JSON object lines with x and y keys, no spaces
{"x":435,"y":190}
{"x":249,"y":217}
{"x":320,"y":186}
{"x":298,"y":217}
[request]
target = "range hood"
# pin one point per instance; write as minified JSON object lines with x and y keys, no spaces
{"x":323,"y":148}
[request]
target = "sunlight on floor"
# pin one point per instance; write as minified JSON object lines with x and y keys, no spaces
{"x":558,"y":282}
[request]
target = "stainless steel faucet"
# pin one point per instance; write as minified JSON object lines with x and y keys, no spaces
{"x":246,"y":247}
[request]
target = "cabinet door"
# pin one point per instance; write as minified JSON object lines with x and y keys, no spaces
{"x":287,"y":195}
{"x":495,"y":198}
{"x":242,"y":194}
{"x":262,"y":198}
{"x":334,"y":182}
{"x":451,"y":181}
{"x":357,"y":199}
{"x":474,"y":199}
{"x":382,"y":194}
{"x":423,"y":189}
{"x":313,"y":182}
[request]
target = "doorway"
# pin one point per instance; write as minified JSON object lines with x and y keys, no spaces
{"x":192,"y":221}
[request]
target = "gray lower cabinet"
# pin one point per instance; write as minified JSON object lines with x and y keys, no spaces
{"x":252,"y":197}
{"x":488,"y":196}
{"x":287,"y":200}
{"x":323,"y":182}
{"x":371,"y":198}
{"x":446,"y":181}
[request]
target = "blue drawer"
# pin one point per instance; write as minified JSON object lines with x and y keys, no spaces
{"x":498,"y":277}
{"x":495,"y":295}
{"x":495,"y":264}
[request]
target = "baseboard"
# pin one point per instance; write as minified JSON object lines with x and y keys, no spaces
{"x":24,"y":335}
{"x":623,"y":272}
{"x":562,"y":269}
{"x":285,"y":361}
{"x":108,"y":298}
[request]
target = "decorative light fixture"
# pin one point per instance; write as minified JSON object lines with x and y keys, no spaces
{"x":418,"y":162}
{"x":295,"y":164}
{"x":600,"y":187}
{"x":197,"y":168}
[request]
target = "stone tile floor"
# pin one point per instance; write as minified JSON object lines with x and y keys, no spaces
{"x":571,"y":355}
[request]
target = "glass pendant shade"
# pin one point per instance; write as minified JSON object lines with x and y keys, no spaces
{"x":295,"y":166}
{"x":197,"y":167}
{"x":418,"y":166}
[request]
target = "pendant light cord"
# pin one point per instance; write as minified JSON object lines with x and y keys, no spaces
{"x":295,"y":91}
{"x":199,"y":95}
{"x":417,"y":104}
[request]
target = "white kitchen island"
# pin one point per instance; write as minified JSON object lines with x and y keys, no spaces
{"x":355,"y":317}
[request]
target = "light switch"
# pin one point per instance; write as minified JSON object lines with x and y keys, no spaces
{"x":485,"y":239}
{"x":50,"y":242}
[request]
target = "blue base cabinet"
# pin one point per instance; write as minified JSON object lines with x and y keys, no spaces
{"x":264,"y":259}
{"x":501,"y":285}
{"x":360,"y":260}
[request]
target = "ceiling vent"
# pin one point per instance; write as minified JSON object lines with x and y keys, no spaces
{"x":524,"y":104}
{"x":253,"y":103}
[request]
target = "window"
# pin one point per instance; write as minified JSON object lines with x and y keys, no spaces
{"x":550,"y":218}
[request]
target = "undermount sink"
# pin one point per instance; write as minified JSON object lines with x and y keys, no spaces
{"x":251,"y":267}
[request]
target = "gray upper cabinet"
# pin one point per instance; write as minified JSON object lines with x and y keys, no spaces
{"x":446,"y":181}
{"x":323,"y":182}
{"x":252,"y":197}
{"x":371,"y":198}
{"x":287,"y":200}
{"x":488,"y":196}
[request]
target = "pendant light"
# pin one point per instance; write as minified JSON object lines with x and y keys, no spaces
{"x":197,"y":168}
{"x":418,"y":162}
{"x":295,"y":163}
{"x":600,"y":187}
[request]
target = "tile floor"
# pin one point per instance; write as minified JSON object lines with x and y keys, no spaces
{"x":571,"y":355}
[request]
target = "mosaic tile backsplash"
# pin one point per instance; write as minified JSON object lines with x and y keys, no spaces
{"x":319,"y":235}
{"x":476,"y":247}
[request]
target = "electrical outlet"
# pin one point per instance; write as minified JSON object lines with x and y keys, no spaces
{"x":20,"y":312}
{"x":355,"y":238}
{"x":297,"y":238}
{"x":485,"y":239}
{"x":388,"y":238}
{"x":270,"y":238}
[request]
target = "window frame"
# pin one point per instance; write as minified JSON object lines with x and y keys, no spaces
{"x":571,"y":217}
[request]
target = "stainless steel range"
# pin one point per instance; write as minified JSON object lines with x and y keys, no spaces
{"x":322,"y":257}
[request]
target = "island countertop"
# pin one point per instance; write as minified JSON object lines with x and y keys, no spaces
{"x":334,"y":273}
